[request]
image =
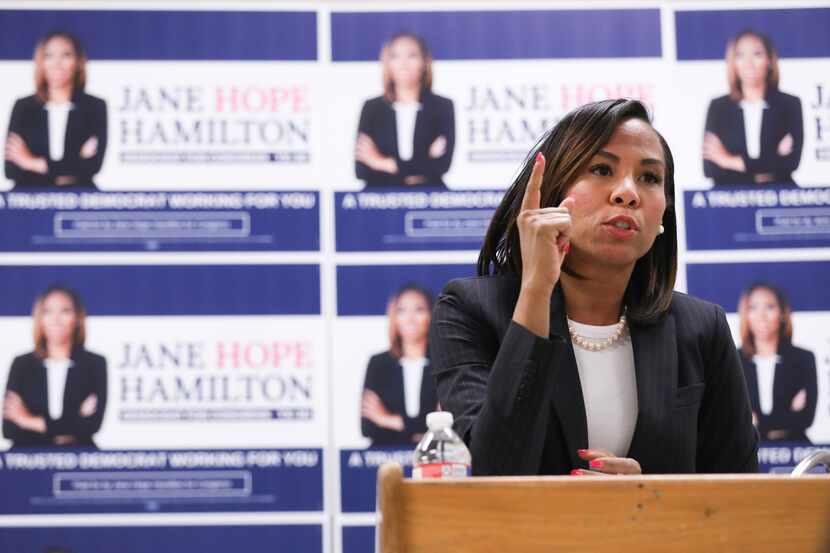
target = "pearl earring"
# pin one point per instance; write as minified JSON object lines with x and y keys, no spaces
{"x":661,"y":229}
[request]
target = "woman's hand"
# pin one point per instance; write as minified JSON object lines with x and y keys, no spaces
{"x":543,"y":237}
{"x":15,"y":410}
{"x":18,"y":153}
{"x":785,"y":147}
{"x":89,"y":148}
{"x":89,"y":406}
{"x":799,"y":401}
{"x":372,"y":408}
{"x":438,"y":147}
{"x":716,"y":152}
{"x":605,"y":463}
{"x":366,"y":152}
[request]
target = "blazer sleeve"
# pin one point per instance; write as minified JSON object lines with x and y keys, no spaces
{"x":85,"y":169}
{"x":15,"y":383}
{"x":368,"y":116}
{"x":713,"y":116}
{"x":498,"y":392}
{"x":434,"y":167}
{"x":73,"y":423}
{"x":775,"y":163}
{"x":727,"y":440}
{"x":16,"y":123}
{"x":805,"y":369}
{"x":374,"y":382}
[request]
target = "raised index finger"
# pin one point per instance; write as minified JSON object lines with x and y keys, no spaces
{"x":533,"y":191}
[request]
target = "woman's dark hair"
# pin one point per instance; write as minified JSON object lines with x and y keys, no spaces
{"x":79,"y":333}
{"x":395,"y":345}
{"x":785,"y":326}
{"x":568,"y":147}
{"x":79,"y":79}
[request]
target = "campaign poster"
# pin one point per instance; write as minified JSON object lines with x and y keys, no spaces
{"x":148,"y":130}
{"x":779,"y":314}
{"x":185,"y":388}
{"x":751,"y":97}
{"x":382,"y":376}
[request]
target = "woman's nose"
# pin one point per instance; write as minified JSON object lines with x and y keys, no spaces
{"x":625,"y":193}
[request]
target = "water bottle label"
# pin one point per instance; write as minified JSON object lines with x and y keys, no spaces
{"x":440,"y":470}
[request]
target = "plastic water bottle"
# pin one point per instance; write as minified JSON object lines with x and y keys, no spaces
{"x":441,"y":453}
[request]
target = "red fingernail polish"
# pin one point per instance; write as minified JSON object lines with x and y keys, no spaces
{"x":581,"y":452}
{"x":595,"y":464}
{"x":567,"y":247}
{"x":539,"y":157}
{"x":576,"y":472}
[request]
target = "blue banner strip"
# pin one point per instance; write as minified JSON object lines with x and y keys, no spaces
{"x":151,"y":539}
{"x":479,"y":35}
{"x":366,"y":289}
{"x":801,"y":33}
{"x":804,"y":283}
{"x":166,"y":35}
{"x":169,"y":289}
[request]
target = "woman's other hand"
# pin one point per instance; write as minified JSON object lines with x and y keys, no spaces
{"x":366,"y":152}
{"x":15,"y":410}
{"x":89,"y":406}
{"x":799,"y":401}
{"x":605,"y":463}
{"x":89,"y":148}
{"x":543,"y":237}
{"x":372,"y":408}
{"x":785,"y":147}
{"x":438,"y":147}
{"x":716,"y":152}
{"x":18,"y":152}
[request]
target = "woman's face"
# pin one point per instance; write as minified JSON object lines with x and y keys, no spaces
{"x":60,"y":62}
{"x":764,"y":314}
{"x":620,"y":200}
{"x":751,"y":61}
{"x":406,"y":63}
{"x":58,"y":318}
{"x":412,"y":316}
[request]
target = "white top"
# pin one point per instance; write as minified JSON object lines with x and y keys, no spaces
{"x":56,"y":370}
{"x":765,"y":369}
{"x":753,"y":115}
{"x":58,"y":116}
{"x":609,"y":388}
{"x":413,"y":374}
{"x":405,"y":114}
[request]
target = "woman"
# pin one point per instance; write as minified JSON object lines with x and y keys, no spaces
{"x":405,"y":137}
{"x":58,"y":135}
{"x":781,"y":378}
{"x":575,"y":356}
{"x":754,"y":135}
{"x":57,"y":394}
{"x":398,"y":391}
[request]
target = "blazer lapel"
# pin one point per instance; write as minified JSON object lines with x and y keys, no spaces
{"x":655,"y":364}
{"x":567,"y":390}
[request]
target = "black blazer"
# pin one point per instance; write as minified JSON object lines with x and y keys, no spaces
{"x":87,"y":375}
{"x":435,"y":118}
{"x":795,"y":371}
{"x":782,"y":116}
{"x":384,"y":376}
{"x":87,"y":118}
{"x":518,"y":402}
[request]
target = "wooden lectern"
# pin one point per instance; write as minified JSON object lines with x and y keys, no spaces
{"x":713,"y":513}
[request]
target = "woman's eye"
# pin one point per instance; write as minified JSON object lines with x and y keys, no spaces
{"x":652,"y":178}
{"x":601,"y":170}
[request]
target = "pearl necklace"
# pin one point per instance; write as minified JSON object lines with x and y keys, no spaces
{"x":592,"y":344}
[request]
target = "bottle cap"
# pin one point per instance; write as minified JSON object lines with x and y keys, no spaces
{"x":439,"y":419}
